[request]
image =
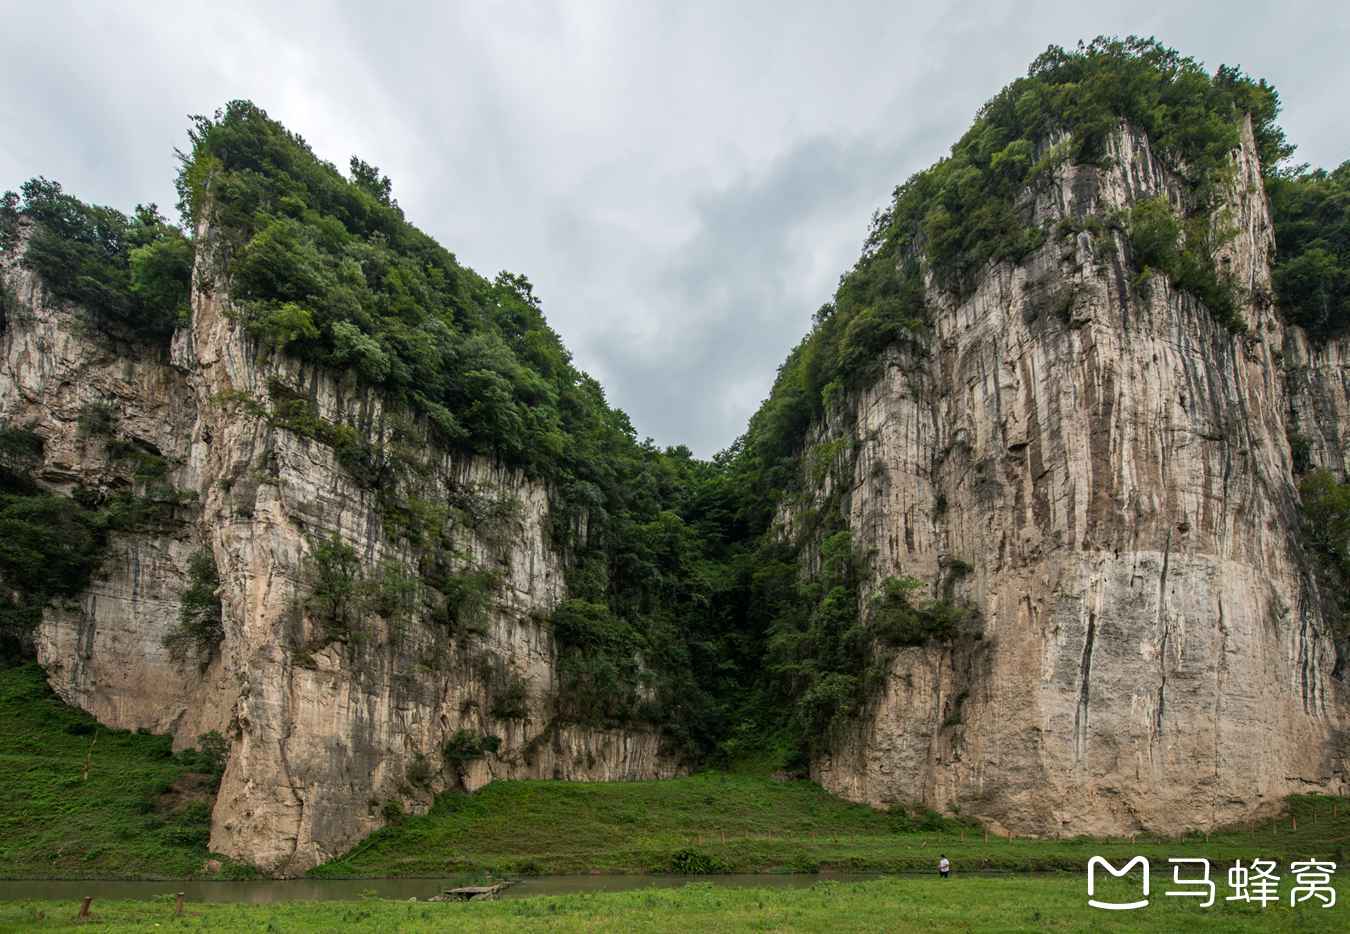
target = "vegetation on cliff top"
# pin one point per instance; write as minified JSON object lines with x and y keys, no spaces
{"x":973,"y":207}
{"x":1311,"y":210}
{"x":132,"y":274}
{"x":687,"y":608}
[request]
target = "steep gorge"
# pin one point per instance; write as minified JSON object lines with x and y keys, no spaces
{"x":1069,"y":478}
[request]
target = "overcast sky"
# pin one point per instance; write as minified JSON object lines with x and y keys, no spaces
{"x":683,"y":182}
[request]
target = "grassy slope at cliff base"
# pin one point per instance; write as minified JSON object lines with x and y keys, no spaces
{"x":82,"y":801}
{"x":720,"y":822}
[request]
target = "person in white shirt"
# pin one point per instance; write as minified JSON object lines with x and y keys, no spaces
{"x":944,"y":867}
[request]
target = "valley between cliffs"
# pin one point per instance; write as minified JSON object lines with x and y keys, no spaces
{"x":1022,"y":534}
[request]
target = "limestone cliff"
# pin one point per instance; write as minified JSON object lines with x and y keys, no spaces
{"x":1114,"y":467}
{"x":322,"y":734}
{"x":1087,"y":457}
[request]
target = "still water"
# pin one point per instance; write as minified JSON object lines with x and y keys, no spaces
{"x":267,"y":891}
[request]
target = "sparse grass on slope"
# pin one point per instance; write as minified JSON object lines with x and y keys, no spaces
{"x":742,"y":823}
{"x":82,"y":801}
{"x":1018,"y":903}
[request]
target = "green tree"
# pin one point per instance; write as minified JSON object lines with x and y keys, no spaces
{"x":334,"y":586}
{"x":201,"y":627}
{"x":283,"y":325}
{"x":1311,"y":210}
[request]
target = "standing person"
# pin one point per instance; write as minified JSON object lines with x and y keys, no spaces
{"x":944,"y":867}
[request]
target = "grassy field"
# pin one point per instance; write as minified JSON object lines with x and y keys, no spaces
{"x":722,"y":822}
{"x":80,"y":800}
{"x":1055,"y":902}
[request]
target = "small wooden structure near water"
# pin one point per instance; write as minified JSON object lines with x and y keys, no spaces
{"x":471,"y":893}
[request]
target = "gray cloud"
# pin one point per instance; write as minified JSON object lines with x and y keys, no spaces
{"x":712,"y":318}
{"x":683,"y":183}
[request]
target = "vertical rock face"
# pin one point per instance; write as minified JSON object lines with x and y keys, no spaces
{"x":1115,"y":468}
{"x":1318,"y":386}
{"x":322,"y":733}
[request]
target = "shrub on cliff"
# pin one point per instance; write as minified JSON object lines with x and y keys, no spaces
{"x":598,"y":663}
{"x":467,"y":599}
{"x":48,"y":549}
{"x":1311,"y":210}
{"x":200,"y":628}
{"x":1185,"y":251}
{"x":334,"y":579}
{"x":466,"y":746}
{"x":1325,"y":503}
{"x":49,"y":544}
{"x":510,"y":698}
{"x":134,"y":274}
{"x":20,"y":452}
{"x":896,"y":621}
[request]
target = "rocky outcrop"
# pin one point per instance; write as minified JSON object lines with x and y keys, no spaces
{"x":322,"y":733}
{"x":1114,"y":466}
{"x":1318,"y":387}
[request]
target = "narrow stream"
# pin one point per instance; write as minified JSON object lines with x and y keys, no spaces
{"x":268,"y":891}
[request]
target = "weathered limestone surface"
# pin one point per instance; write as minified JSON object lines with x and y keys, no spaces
{"x":1116,"y":470}
{"x":105,"y":652}
{"x":321,"y":736}
{"x":1318,"y":379}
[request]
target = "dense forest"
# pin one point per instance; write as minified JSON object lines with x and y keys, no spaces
{"x":745,"y":642}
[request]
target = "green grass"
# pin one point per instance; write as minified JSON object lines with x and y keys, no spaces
{"x":753,"y":824}
{"x":1017,"y":903}
{"x":58,"y":822}
{"x":82,"y":801}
